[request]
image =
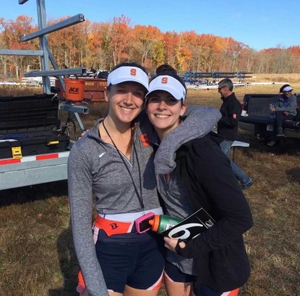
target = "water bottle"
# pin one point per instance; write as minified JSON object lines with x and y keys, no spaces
{"x":160,"y":223}
{"x":272,"y":114}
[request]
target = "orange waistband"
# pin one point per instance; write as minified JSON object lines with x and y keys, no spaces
{"x":111,"y":227}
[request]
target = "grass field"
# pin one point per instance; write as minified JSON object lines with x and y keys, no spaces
{"x":36,"y":251}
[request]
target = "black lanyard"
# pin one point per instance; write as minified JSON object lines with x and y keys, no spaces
{"x":139,"y":195}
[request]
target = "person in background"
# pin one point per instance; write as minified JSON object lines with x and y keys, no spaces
{"x":193,"y":172}
{"x":284,"y":109}
{"x":228,"y":126}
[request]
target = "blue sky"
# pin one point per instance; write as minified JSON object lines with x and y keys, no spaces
{"x":257,"y":23}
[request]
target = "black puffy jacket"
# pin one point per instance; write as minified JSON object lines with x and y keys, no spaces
{"x":206,"y":172}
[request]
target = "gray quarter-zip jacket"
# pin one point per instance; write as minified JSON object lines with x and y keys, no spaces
{"x":96,"y":168}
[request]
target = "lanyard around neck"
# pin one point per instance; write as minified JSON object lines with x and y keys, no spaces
{"x":139,"y":195}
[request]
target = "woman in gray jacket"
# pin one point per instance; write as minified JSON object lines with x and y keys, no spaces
{"x":284,"y":109}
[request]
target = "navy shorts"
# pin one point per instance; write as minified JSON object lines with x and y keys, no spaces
{"x":174,"y":274}
{"x":136,"y":264}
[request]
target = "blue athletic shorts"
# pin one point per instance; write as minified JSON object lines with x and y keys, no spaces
{"x":136,"y":264}
{"x":174,"y":274}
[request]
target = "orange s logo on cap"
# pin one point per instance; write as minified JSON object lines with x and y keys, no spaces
{"x":133,"y":72}
{"x":164,"y":80}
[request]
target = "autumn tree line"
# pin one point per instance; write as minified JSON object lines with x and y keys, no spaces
{"x":102,"y":45}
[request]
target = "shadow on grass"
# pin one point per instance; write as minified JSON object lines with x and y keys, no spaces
{"x":31,"y":193}
{"x":294,"y":174}
{"x":283,"y":145}
{"x":68,"y":265}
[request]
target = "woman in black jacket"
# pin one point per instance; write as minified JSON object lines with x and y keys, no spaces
{"x":203,"y":178}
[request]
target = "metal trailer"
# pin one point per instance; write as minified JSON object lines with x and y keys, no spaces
{"x":42,"y":168}
{"x":32,"y":170}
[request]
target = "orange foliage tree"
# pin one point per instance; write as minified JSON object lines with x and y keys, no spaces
{"x":12,"y":32}
{"x":69,"y":46}
{"x":146,"y":40}
{"x":121,"y":37}
{"x":104,"y":45}
{"x":99,"y":45}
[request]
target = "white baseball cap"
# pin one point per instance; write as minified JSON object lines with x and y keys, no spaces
{"x":287,"y":88}
{"x":168,"y":84}
{"x":128,"y":74}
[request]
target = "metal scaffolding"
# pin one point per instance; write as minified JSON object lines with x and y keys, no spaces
{"x":44,"y":52}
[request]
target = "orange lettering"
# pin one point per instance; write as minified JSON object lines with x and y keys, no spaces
{"x":164,"y":80}
{"x":145,"y":140}
{"x":133,"y":72}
